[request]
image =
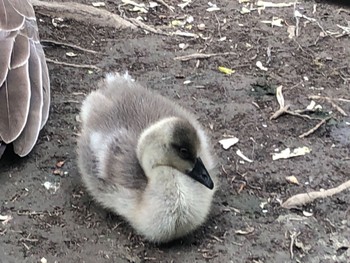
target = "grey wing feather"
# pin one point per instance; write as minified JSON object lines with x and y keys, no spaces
{"x":23,"y":7}
{"x":6,"y":47}
{"x":14,"y":103}
{"x":26,"y":141}
{"x":45,"y":85}
{"x":20,"y":52}
{"x":24,"y":77}
{"x":10,"y":19}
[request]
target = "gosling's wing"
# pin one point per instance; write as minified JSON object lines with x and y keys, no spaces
{"x":109,"y":159}
{"x":24,"y":79}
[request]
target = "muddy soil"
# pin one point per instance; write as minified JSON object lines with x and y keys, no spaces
{"x":247,"y":223}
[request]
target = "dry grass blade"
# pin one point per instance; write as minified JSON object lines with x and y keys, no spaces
{"x":302,"y":199}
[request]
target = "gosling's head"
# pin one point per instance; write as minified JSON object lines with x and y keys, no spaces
{"x":175,"y":143}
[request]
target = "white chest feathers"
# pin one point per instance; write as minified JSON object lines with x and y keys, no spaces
{"x":172,"y":209}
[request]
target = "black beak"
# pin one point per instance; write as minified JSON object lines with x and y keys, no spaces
{"x":201,"y":175}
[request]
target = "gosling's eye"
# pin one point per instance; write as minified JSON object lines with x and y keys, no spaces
{"x":184,"y":153}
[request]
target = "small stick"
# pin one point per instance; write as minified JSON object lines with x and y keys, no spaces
{"x":338,"y":108}
{"x":299,"y":115}
{"x":148,"y":28}
{"x":280,"y":112}
{"x":293,"y":237}
{"x":202,"y":56}
{"x":73,"y":65}
{"x":318,"y":125}
{"x":304,"y":198}
{"x":331,"y":101}
{"x":69,"y":45}
{"x":316,"y":97}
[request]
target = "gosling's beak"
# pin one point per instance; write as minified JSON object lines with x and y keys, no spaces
{"x":201,"y":175}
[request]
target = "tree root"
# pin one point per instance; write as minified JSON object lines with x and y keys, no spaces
{"x":83,"y":13}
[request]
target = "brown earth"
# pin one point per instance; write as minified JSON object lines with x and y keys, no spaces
{"x":66,"y":226}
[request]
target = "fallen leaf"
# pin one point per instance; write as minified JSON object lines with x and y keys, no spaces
{"x":71,"y":54}
{"x":226,"y":71}
{"x":178,"y":23}
{"x":201,"y":26}
{"x":246,"y":231}
{"x":307,"y":214}
{"x":292,"y":179}
{"x":213,"y":7}
{"x":291,"y":31}
{"x":270,"y":4}
{"x":5,"y":219}
{"x":98,"y":4}
{"x":240,"y":154}
{"x":244,"y":10}
{"x":60,"y":164}
{"x":183,"y":45}
{"x":184,"y":4}
{"x":49,"y":186}
{"x":153,"y":4}
{"x":229,"y":142}
{"x":274,"y":22}
{"x":287,"y":153}
{"x":185,"y":34}
{"x":260,"y":66}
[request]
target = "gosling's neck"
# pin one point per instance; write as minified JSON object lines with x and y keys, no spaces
{"x":150,"y":147}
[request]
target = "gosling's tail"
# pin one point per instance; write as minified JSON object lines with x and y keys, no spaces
{"x":113,"y":78}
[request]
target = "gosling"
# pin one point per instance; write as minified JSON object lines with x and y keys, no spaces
{"x":24,"y":78}
{"x":145,"y":158}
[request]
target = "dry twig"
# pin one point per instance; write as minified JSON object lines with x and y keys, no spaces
{"x":202,"y":56}
{"x":318,"y":125}
{"x":304,"y":198}
{"x":68,"y":45}
{"x":293,"y":237}
{"x":73,"y":65}
{"x":331,"y":101}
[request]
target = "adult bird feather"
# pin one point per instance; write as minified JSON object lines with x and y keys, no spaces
{"x":24,"y":77}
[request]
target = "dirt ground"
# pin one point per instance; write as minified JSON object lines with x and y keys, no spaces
{"x":247,"y":223}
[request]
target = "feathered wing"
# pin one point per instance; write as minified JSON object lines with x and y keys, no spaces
{"x":25,"y":142}
{"x":45,"y":85}
{"x":24,"y":78}
{"x":14,"y":103}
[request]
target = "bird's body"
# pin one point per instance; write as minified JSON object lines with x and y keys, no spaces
{"x":129,"y":166}
{"x":24,"y":79}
